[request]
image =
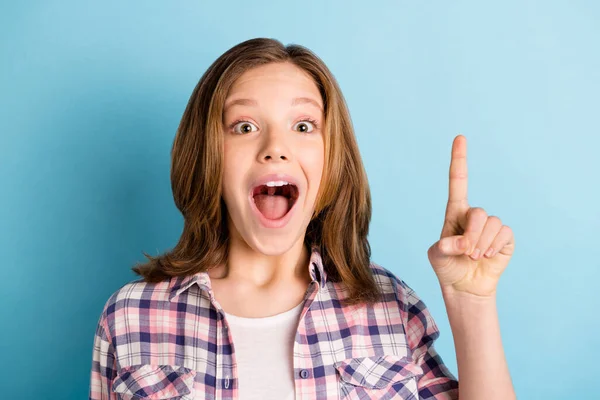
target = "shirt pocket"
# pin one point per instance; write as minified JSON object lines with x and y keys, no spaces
{"x":387,"y":377}
{"x":154,"y":382}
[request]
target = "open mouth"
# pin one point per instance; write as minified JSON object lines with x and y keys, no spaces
{"x":274,"y":202}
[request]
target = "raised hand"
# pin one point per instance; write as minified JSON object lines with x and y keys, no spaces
{"x":474,"y":248}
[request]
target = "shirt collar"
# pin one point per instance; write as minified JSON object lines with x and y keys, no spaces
{"x":180,"y":284}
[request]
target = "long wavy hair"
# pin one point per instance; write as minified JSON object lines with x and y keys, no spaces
{"x":340,"y":223}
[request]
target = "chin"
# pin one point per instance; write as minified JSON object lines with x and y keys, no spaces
{"x":275,"y":244}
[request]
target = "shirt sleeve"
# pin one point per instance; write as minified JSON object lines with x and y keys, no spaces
{"x":437,"y":382}
{"x":103,"y":363}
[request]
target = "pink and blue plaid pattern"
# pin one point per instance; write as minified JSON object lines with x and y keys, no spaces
{"x":170,"y":340}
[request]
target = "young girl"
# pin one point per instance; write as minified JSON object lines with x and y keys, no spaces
{"x":270,"y":292}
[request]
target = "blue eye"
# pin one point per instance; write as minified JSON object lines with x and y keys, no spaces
{"x":244,"y":127}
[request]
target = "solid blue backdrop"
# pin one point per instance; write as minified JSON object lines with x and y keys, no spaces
{"x":91,"y":95}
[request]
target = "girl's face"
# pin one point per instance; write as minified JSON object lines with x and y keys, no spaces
{"x":272,"y":128}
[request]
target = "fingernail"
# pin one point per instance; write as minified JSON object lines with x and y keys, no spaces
{"x":476,"y":254}
{"x":489,"y":252}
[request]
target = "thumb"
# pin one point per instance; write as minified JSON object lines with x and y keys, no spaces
{"x":440,"y":252}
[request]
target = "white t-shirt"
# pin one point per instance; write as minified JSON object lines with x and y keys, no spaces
{"x":263,"y":351}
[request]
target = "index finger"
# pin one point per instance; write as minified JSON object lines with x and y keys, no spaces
{"x":457,"y":191}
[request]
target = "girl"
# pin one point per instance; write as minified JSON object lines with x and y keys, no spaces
{"x":270,"y":292}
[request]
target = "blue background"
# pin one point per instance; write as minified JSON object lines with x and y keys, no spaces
{"x":91,"y":95}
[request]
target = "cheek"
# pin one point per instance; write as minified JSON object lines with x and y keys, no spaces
{"x":229,"y":178}
{"x":235,"y":166}
{"x":233,"y":156}
{"x":313,"y":160}
{"x":228,"y":149}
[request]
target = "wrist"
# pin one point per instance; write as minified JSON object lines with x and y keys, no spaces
{"x":452,"y":295}
{"x":469,"y":312}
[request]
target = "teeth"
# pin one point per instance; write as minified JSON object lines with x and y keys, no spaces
{"x":276,"y":183}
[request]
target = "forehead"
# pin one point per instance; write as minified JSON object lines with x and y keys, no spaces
{"x":276,"y":78}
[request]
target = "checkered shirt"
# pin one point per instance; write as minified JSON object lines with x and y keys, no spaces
{"x":170,"y":340}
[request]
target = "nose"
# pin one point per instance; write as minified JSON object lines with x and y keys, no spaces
{"x":274,"y":148}
{"x":275,"y":156}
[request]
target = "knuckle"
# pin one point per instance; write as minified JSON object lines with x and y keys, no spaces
{"x":477,"y":212}
{"x":494,"y":220}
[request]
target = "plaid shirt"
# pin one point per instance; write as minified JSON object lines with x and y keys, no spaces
{"x":170,"y":340}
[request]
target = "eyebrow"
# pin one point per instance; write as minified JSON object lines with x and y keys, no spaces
{"x":296,"y":101}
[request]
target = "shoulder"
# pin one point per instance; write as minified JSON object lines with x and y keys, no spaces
{"x":417,"y":317}
{"x":393,"y":285}
{"x":396,"y":292}
{"x":131,"y":299}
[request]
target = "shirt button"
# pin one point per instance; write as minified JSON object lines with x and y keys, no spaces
{"x":304,"y":373}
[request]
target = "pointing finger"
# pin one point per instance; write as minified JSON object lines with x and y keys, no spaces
{"x":458,"y":171}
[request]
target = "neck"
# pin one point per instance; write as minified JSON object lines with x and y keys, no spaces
{"x":244,"y":264}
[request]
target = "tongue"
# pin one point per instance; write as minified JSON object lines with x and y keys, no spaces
{"x":271,"y":206}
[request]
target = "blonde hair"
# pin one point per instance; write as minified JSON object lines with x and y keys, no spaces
{"x":340,"y":223}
